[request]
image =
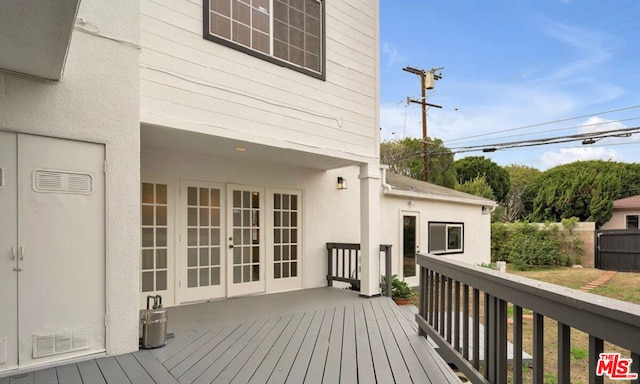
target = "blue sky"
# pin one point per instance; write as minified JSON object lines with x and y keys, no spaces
{"x":515,"y":63}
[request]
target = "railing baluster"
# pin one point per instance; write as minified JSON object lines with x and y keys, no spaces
{"x":443,"y":287}
{"x":564,"y":354}
{"x":517,"y":344}
{"x":501,"y":340}
{"x":596,"y":347}
{"x":456,"y":313}
{"x":449,"y":309}
{"x":432,"y":279}
{"x":436,"y":304}
{"x":476,"y":329}
{"x":489,"y":338}
{"x":538,"y":348}
{"x":330,"y":265}
{"x":465,"y":321}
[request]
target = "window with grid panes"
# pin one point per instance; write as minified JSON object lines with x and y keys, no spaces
{"x":154,"y":238}
{"x":289,"y":32}
{"x":285,"y":235}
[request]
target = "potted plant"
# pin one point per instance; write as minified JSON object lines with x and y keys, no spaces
{"x":401,"y":292}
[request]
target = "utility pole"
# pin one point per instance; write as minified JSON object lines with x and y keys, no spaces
{"x":427,"y":81}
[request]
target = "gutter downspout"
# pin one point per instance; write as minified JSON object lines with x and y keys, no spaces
{"x":386,"y":186}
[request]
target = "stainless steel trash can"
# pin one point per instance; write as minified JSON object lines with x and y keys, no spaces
{"x":154,"y":324}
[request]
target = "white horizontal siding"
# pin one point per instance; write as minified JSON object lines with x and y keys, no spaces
{"x":191,"y":83}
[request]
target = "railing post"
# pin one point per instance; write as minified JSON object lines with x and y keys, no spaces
{"x":330,"y":264}
{"x":449,"y":309}
{"x":476,"y":328}
{"x":465,"y":321}
{"x":564,"y":354}
{"x":387,"y":266}
{"x":596,"y":347}
{"x":517,"y":344}
{"x":501,"y":340}
{"x":538,"y":348}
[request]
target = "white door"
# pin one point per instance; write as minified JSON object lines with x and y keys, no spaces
{"x":202,"y":260}
{"x":245,"y":240}
{"x":8,"y":250}
{"x":60,"y":257}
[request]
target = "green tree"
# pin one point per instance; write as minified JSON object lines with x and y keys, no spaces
{"x":469,"y":168}
{"x":512,"y":207}
{"x":478,"y":187}
{"x":404,"y":157}
{"x":584,"y":189}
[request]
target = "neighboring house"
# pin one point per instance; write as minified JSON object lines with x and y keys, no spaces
{"x":148,"y":150}
{"x":626,"y":213}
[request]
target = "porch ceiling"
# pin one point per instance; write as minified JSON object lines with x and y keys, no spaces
{"x":160,"y":137}
{"x":35,"y":36}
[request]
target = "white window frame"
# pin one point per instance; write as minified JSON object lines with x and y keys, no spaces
{"x":447,"y":226}
{"x":626,"y":221}
{"x":271,"y":57}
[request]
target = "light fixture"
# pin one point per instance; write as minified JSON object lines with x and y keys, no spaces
{"x":342,"y":183}
{"x":241,"y":149}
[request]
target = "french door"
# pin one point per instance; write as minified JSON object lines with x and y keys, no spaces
{"x":245,"y":240}
{"x":221,"y":241}
{"x":52,"y":243}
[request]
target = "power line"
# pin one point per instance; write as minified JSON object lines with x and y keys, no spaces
{"x":546,"y":123}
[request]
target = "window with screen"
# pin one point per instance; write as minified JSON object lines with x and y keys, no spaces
{"x":287,"y":32}
{"x":446,"y":237}
{"x":632,"y":222}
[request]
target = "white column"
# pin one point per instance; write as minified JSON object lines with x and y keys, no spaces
{"x":370,"y":229}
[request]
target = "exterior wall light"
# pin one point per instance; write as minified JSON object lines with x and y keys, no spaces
{"x":342,"y":183}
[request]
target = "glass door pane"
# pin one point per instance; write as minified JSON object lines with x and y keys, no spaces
{"x":246,"y":244}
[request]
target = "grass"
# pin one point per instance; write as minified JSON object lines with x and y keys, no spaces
{"x":623,"y":286}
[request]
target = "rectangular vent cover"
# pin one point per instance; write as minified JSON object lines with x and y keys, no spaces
{"x":62,"y":182}
{"x":61,"y":342}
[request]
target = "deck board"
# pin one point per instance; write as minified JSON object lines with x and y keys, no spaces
{"x":112,"y":371}
{"x":90,"y":372}
{"x":313,"y":336}
{"x":68,"y":374}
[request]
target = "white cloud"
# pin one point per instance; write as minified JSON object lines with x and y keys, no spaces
{"x":391,"y":55}
{"x":598,"y":124}
{"x":568,"y":155}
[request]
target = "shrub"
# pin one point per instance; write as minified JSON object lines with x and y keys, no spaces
{"x":525,"y":245}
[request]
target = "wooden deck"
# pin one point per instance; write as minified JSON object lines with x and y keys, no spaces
{"x":314,"y":336}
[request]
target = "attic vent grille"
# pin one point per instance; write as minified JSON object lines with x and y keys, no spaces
{"x":61,"y":342}
{"x":62,"y":182}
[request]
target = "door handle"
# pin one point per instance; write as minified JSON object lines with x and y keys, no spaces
{"x":230,"y":246}
{"x":21,"y":253}
{"x":13,"y":253}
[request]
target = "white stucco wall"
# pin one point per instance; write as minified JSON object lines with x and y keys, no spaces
{"x":97,"y":101}
{"x":477,"y":227}
{"x":329,"y":214}
{"x":194,"y":84}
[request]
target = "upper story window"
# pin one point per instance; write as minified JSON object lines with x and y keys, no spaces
{"x":286,"y":32}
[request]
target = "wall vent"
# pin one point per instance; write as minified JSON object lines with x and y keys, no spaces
{"x":62,"y":182}
{"x":61,"y":342}
{"x":3,"y":351}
